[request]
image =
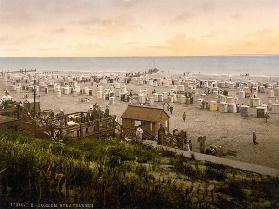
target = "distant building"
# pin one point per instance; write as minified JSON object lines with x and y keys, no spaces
{"x":148,"y":117}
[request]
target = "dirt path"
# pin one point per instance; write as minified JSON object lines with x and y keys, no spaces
{"x":218,"y":160}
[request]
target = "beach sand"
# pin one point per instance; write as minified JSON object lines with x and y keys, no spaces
{"x":229,"y":130}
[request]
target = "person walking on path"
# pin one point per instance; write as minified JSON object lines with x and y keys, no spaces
{"x":184,"y":116}
{"x":190,"y":145}
{"x":254,"y":139}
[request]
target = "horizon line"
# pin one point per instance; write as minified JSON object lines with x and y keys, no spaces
{"x":139,"y":56}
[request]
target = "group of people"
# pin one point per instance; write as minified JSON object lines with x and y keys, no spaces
{"x":169,"y":107}
{"x":177,"y":139}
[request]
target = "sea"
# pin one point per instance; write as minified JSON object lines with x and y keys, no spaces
{"x":225,"y":65}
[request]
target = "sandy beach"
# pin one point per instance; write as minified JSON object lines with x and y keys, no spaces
{"x":229,"y":130}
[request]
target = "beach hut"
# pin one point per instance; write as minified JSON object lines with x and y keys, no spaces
{"x":140,"y":81}
{"x":156,"y":97}
{"x":221,"y":84}
{"x":215,"y":93}
{"x":213,"y":106}
{"x":148,"y":117}
{"x":270,"y":93}
{"x":99,"y":94}
{"x":180,"y":88}
{"x":155,"y":83}
{"x":232,"y":108}
{"x":58,"y":92}
{"x":90,"y":92}
{"x":261,"y":111}
{"x":142,"y":99}
{"x":18,"y":89}
{"x":151,"y":101}
{"x":165,"y":95}
{"x":276,"y":91}
{"x":66,"y":90}
{"x":77,"y":89}
{"x":160,"y":98}
{"x":46,"y":90}
{"x":241,"y":95}
{"x":173,"y":97}
{"x":231,"y":85}
{"x":106,"y":96}
{"x":56,"y":87}
{"x":230,"y":100}
{"x":175,"y":82}
{"x":275,"y":108}
{"x":262,"y":89}
{"x":255,"y":102}
{"x":246,"y":89}
{"x":85,"y":91}
{"x":244,"y":110}
{"x":111,"y":100}
{"x":117,"y":85}
{"x":223,"y":107}
{"x":172,"y":91}
{"x":182,"y":99}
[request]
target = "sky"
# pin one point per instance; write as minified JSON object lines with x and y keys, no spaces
{"x":100,"y":28}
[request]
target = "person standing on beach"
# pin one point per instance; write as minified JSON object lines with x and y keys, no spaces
{"x":168,"y":106}
{"x":266,"y":116}
{"x":254,"y":139}
{"x":171,"y":109}
{"x":184,"y":117}
{"x":139,"y":133}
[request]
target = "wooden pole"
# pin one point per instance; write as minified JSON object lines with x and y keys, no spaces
{"x":34,"y":94}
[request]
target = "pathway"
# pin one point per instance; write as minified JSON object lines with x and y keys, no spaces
{"x":218,"y":160}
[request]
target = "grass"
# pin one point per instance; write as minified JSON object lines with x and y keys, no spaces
{"x":111,"y":173}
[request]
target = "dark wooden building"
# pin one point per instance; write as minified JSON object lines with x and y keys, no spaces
{"x":148,"y":117}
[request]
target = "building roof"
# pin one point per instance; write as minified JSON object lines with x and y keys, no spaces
{"x":145,"y":113}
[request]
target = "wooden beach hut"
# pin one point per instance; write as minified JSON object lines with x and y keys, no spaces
{"x":148,"y":117}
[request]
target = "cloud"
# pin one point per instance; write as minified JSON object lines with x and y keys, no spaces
{"x":178,"y":45}
{"x":125,"y":3}
{"x":183,"y":17}
{"x":108,"y":26}
{"x":59,"y":31}
{"x":207,"y":5}
{"x":236,"y":16}
{"x":262,"y":41}
{"x":17,"y":18}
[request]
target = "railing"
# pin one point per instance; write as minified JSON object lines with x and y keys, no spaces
{"x":131,"y":133}
{"x":148,"y":135}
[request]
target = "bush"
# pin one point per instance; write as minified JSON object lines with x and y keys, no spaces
{"x":211,"y":173}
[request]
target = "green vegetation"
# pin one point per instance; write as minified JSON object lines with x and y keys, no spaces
{"x":111,"y":173}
